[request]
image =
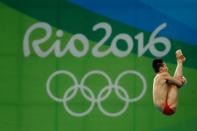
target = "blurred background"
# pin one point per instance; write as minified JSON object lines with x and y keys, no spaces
{"x":82,"y":65}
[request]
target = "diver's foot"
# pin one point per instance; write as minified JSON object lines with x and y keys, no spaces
{"x":179,"y":56}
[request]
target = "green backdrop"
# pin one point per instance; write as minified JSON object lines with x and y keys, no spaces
{"x":97,"y":104}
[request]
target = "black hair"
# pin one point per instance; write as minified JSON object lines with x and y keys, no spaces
{"x":156,"y":64}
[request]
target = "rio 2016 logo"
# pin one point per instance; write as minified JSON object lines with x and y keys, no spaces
{"x":87,"y":93}
{"x":95,"y":50}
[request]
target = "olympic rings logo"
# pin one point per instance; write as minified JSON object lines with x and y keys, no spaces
{"x":103,"y":94}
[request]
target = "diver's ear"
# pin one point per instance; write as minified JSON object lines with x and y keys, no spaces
{"x":161,"y":69}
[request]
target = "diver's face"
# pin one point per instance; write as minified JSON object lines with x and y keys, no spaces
{"x":164,"y":68}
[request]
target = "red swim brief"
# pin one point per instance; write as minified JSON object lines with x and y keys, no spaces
{"x":167,"y":110}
